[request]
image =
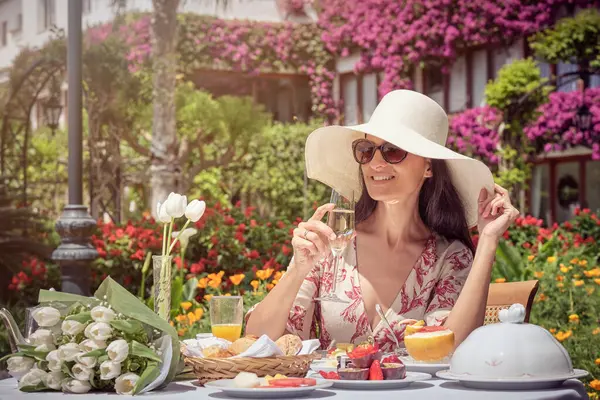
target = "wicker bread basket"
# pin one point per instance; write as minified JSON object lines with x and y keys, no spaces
{"x":212,"y":369}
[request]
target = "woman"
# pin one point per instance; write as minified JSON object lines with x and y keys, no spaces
{"x":412,"y":253}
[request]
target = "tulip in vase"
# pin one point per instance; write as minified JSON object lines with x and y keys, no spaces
{"x":176,"y":206}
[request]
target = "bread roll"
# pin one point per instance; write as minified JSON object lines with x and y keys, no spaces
{"x":216,"y":351}
{"x":289,"y":344}
{"x":241,"y":345}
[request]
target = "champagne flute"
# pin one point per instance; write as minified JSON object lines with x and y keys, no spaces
{"x":341,"y":220}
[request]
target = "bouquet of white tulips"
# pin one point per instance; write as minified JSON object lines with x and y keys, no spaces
{"x":111,"y":341}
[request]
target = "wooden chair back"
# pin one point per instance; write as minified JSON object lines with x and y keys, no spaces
{"x":503,"y":295}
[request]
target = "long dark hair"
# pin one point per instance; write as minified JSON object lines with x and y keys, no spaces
{"x":440,"y":206}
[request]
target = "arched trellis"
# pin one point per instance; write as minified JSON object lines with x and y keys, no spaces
{"x":15,"y":131}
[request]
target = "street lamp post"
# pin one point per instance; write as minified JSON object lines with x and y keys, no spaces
{"x":75,"y":225}
{"x":53,"y":107}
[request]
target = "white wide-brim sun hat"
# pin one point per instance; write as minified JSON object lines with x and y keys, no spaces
{"x":409,"y":120}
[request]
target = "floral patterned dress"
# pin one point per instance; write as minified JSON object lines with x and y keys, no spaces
{"x":429,"y":294}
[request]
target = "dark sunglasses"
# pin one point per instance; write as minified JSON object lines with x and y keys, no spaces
{"x":364,"y":151}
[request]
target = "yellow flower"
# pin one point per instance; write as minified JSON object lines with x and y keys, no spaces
{"x":590,"y":290}
{"x":274,"y":282}
{"x":277,"y":275}
{"x":578,"y":283}
{"x":595,"y":384}
{"x":560,"y":284}
{"x":574,"y":261}
{"x":592,"y":273}
{"x":202,"y":283}
{"x":531,"y":257}
{"x":171,"y":323}
{"x":237,"y":279}
{"x":596,"y":331}
{"x":538,"y":274}
{"x":186,"y":305}
{"x":564,"y":270}
{"x":227,"y":294}
{"x":199,"y":313}
{"x":551,"y":259}
{"x":593,"y":395}
{"x":191,"y":317}
{"x":597,"y":362}
{"x":560,"y":336}
{"x":214,"y":283}
{"x":583,"y":263}
{"x":180,"y":318}
{"x":577,"y":276}
{"x":264,"y":274}
{"x":597,"y":280}
{"x":573,"y":318}
{"x":254,"y":284}
{"x":500,"y":280}
{"x":207,"y":297}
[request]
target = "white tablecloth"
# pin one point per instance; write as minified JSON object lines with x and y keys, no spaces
{"x":431,"y":389}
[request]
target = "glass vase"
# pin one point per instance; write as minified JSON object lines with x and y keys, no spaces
{"x":161,"y":271}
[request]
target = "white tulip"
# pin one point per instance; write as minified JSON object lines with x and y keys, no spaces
{"x":195,"y":210}
{"x":91,"y":345}
{"x":176,"y":205}
{"x":53,"y":380}
{"x":98,"y":331}
{"x":126,"y":382}
{"x":109,"y":370}
{"x":185,"y":236}
{"x":68,"y":352}
{"x":33,"y":378}
{"x":118,"y":350}
{"x":75,"y":386}
{"x":54,"y":361}
{"x":161,"y":213}
{"x":87,"y":362}
{"x":82,"y":373}
{"x":18,"y":366}
{"x":45,"y":347}
{"x":46,"y":316}
{"x":72,"y":327}
{"x":103,"y":314}
{"x":41,"y":336}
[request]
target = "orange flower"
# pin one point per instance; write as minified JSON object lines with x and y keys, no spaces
{"x":500,"y":280}
{"x":186,"y":305}
{"x":181,"y":332}
{"x":597,"y":280}
{"x":583,"y":263}
{"x":551,"y":259}
{"x":552,"y":330}
{"x":560,"y":278}
{"x":270,"y":286}
{"x":542,"y":297}
{"x":274,"y":282}
{"x":171,"y":323}
{"x":180,"y":318}
{"x":531,"y":257}
{"x":538,"y":274}
{"x":277,"y":275}
{"x":254,"y":284}
{"x":593,"y":273}
{"x":202,"y":283}
{"x":574,"y":261}
{"x":590,"y":290}
{"x":596,"y":331}
{"x":191,"y":317}
{"x":214,"y":283}
{"x":564,"y":270}
{"x":577,"y":276}
{"x":561,"y":336}
{"x":597,"y":362}
{"x":264,"y":274}
{"x":573,"y":318}
{"x":595,"y":384}
{"x":578,"y":283}
{"x":237,"y":279}
{"x":207,"y":297}
{"x":560,"y":285}
{"x":227,"y":294}
{"x":199,"y":313}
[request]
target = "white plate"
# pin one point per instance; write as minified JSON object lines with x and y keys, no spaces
{"x":525,"y":383}
{"x":379,"y":385}
{"x":421,"y":366}
{"x":227,"y":386}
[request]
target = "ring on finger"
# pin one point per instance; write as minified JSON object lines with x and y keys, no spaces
{"x":306,"y":231}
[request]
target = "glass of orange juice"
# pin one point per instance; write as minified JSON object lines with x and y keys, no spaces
{"x":226,"y":315}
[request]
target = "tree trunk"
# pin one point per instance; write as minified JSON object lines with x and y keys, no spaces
{"x":164,"y":169}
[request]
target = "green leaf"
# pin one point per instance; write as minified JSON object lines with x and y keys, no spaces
{"x":38,"y":355}
{"x":189,"y":289}
{"x":6,"y":357}
{"x":66,"y":370}
{"x":129,"y":326}
{"x":81,"y":317}
{"x":150,"y":374}
{"x":139,"y":350}
{"x":95,"y":353}
{"x":37,"y":388}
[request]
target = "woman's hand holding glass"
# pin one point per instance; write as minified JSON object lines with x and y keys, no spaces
{"x":311,"y":240}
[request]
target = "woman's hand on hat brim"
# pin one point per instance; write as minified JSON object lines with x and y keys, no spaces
{"x":496,"y":213}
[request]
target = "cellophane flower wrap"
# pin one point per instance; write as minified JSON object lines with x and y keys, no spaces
{"x":108,"y":342}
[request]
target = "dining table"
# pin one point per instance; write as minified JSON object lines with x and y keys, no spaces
{"x":429,"y":389}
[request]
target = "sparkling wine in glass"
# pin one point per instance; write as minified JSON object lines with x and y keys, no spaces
{"x":341,"y":221}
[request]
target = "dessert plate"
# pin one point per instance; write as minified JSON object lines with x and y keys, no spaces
{"x":378,"y":385}
{"x":525,"y":383}
{"x":425,"y":367}
{"x":228,"y":387}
